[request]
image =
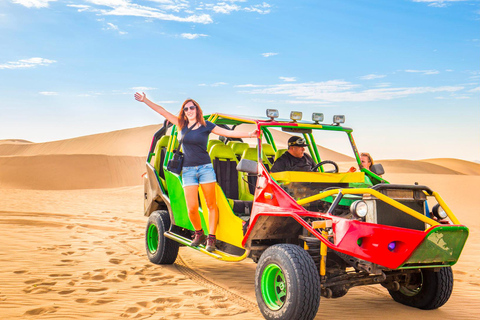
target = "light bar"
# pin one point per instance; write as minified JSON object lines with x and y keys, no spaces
{"x":317,"y":117}
{"x":337,"y":119}
{"x":296,"y":115}
{"x":272,"y":113}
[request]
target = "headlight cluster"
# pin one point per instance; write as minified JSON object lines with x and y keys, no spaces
{"x":438,"y":212}
{"x":359,"y":209}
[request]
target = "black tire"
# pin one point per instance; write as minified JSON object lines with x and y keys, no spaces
{"x":287,"y":273}
{"x":426,"y":290}
{"x":160,"y":250}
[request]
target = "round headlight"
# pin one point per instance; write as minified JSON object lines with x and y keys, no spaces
{"x":438,"y":212}
{"x":359,"y":208}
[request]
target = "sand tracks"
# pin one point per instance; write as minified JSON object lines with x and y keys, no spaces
{"x":80,"y":254}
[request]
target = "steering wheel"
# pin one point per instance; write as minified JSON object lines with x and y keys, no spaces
{"x":315,"y":168}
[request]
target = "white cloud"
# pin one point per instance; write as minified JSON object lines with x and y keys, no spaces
{"x":249,"y":86}
{"x":143,"y":88}
{"x":26,"y":63}
{"x":34,"y":3}
{"x":192,"y":36}
{"x":111,"y":26}
{"x":126,"y":8}
{"x":288,"y":79}
{"x":216,"y":84}
{"x":438,"y":3}
{"x":477,"y":89}
{"x":48,"y":93}
{"x":80,"y":7}
{"x":425,"y":72}
{"x":225,"y":8}
{"x":343,"y":91}
{"x":263,"y":8}
{"x":269,"y":54}
{"x":372,"y":76}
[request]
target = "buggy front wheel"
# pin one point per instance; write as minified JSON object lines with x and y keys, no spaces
{"x":287,"y":283}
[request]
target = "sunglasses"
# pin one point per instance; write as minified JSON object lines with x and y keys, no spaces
{"x":191,"y":108}
{"x":298,"y":141}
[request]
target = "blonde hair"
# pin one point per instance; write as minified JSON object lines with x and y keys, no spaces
{"x":182,"y":118}
{"x":366,"y":154}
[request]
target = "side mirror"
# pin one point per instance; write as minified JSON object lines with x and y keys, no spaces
{"x":377,"y":169}
{"x":248,"y":166}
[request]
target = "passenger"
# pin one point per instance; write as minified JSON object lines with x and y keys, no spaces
{"x":366,"y":159}
{"x":295,"y":159}
{"x":197,"y":166}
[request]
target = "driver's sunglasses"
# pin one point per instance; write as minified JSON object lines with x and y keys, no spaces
{"x":185,"y":109}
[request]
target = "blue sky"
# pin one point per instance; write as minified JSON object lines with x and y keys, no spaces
{"x":406,"y":73}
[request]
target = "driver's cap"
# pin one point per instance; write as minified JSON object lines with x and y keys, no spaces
{"x":296,"y":142}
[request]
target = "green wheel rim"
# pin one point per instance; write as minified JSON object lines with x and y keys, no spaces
{"x":152,"y":238}
{"x":274,"y":287}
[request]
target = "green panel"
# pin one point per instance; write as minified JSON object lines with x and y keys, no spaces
{"x":178,"y":203}
{"x":441,"y":246}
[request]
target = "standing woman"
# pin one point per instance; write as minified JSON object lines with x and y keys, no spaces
{"x":197,"y":166}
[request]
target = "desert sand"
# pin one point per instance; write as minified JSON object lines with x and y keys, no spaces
{"x":72,"y":240}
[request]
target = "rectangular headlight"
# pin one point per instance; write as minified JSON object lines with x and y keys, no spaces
{"x":296,"y":115}
{"x":317,"y":117}
{"x":272,"y":113}
{"x":338,"y":119}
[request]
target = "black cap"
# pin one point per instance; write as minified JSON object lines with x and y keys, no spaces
{"x":296,"y":142}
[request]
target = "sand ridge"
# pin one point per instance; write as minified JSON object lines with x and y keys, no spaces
{"x":72,"y":240}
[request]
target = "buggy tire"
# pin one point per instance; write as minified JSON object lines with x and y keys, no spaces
{"x":287,"y":283}
{"x":160,"y":250}
{"x":429,"y":290}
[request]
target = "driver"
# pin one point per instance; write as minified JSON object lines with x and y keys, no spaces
{"x":295,"y":159}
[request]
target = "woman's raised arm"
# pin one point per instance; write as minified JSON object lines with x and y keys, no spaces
{"x":141,"y":97}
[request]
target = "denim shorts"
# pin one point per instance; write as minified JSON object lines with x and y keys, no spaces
{"x":193,"y":176}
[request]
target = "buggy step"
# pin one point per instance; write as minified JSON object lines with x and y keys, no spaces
{"x":215,"y":254}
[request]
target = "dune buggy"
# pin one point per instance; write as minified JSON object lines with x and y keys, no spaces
{"x":311,"y":234}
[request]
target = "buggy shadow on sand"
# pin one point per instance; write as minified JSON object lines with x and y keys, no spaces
{"x":311,"y":234}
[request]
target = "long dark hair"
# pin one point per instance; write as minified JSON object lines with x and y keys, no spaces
{"x":182,"y":117}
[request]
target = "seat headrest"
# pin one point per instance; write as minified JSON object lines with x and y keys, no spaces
{"x":222,"y":151}
{"x":163,"y":142}
{"x":279,"y":153}
{"x":239,"y":147}
{"x":268,"y":149}
{"x":251,"y":154}
{"x":211,"y":143}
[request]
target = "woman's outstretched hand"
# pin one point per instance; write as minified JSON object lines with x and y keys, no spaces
{"x":253,"y":133}
{"x":140,"y":96}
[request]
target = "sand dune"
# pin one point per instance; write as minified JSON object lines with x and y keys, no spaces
{"x":411,"y":166}
{"x":127,"y":142}
{"x":80,"y":171}
{"x":73,"y":245}
{"x":462,"y":166}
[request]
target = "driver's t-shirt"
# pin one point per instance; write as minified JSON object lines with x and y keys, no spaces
{"x":287,"y":162}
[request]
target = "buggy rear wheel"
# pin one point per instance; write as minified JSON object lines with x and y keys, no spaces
{"x":160,"y":250}
{"x":287,"y":283}
{"x":426,"y":289}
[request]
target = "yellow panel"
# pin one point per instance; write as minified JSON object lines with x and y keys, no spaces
{"x":302,"y":176}
{"x":230,"y":227}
